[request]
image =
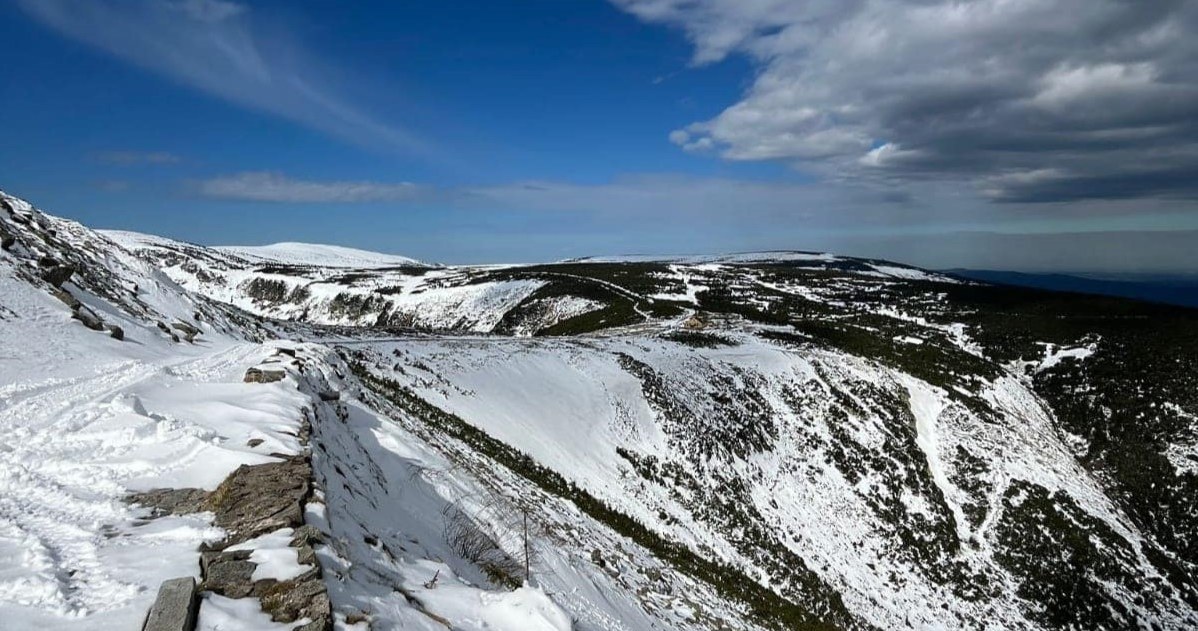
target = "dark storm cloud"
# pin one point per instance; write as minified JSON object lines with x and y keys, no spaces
{"x":1031,"y":100}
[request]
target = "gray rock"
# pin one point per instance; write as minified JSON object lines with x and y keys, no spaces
{"x":172,"y":501}
{"x":306,"y":535}
{"x":189,"y":332}
{"x":208,"y":558}
{"x":229,"y":577}
{"x":66,"y":297}
{"x":306,"y":555}
{"x":263,"y":375}
{"x":115,"y":331}
{"x":88,"y":318}
{"x":7,"y":241}
{"x":255,"y":500}
{"x":175,"y":607}
{"x":330,"y":396}
{"x":289,"y":601}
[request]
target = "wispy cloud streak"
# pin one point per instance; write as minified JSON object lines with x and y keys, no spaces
{"x":265,"y":186}
{"x":213,"y":46}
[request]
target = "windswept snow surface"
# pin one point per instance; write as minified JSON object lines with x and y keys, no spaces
{"x":86,"y":420}
{"x":235,"y":614}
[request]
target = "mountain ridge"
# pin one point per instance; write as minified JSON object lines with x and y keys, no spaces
{"x":743,"y":444}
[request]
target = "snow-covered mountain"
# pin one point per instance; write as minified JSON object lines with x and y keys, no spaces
{"x":751,"y":441}
{"x":316,"y":255}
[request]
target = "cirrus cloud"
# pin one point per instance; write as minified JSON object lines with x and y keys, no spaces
{"x":267,"y":186}
{"x":216,"y":47}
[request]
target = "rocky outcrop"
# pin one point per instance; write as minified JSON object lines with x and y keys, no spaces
{"x":258,"y":374}
{"x":188,"y":331}
{"x":172,"y":501}
{"x":57,"y":274}
{"x":253,"y":501}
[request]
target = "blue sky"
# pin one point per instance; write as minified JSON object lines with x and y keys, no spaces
{"x":543,"y":129}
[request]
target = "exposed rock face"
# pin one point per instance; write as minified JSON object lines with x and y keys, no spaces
{"x":172,"y":501}
{"x":56,"y":275}
{"x":255,"y":500}
{"x":264,"y":375}
{"x":289,"y":601}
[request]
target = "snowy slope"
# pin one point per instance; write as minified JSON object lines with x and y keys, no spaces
{"x":335,"y":286}
{"x":90,"y":418}
{"x":315,"y":255}
{"x":898,"y":448}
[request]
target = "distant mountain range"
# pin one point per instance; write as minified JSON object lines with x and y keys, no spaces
{"x":1168,"y":289}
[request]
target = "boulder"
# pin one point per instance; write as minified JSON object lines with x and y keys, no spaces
{"x":175,"y":608}
{"x":189,"y":332}
{"x":115,"y":331}
{"x":7,"y":241}
{"x":88,"y":318}
{"x":66,"y":298}
{"x":263,"y":375}
{"x":58,"y":274}
{"x":229,"y":574}
{"x":289,"y":601}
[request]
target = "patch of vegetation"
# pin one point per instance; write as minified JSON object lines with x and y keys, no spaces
{"x":269,"y":290}
{"x":1065,"y":560}
{"x":698,"y":339}
{"x":1132,"y":398}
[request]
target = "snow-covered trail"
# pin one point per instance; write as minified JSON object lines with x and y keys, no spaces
{"x":72,"y":553}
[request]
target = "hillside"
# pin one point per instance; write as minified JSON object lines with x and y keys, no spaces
{"x":777,"y":440}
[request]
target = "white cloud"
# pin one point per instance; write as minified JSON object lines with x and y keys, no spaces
{"x":263,"y":186}
{"x":976,"y":91}
{"x":214,"y":46}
